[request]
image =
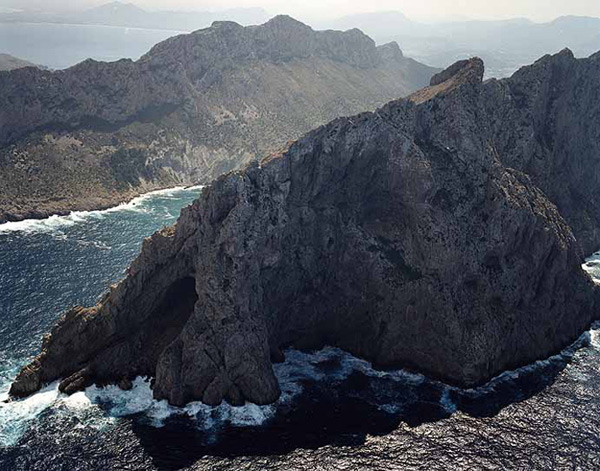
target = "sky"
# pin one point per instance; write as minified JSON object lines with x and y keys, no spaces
{"x":423,"y":10}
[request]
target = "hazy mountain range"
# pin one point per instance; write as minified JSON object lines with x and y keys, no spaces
{"x":132,"y":16}
{"x":504,"y":45}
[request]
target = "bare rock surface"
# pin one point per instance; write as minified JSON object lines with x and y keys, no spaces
{"x":195,"y":106}
{"x":399,"y":235}
{"x":545,"y":121}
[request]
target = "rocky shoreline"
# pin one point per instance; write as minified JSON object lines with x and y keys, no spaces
{"x":194,"y":107}
{"x":44,"y":210}
{"x":400,"y":236}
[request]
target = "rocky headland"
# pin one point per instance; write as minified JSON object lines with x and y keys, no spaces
{"x":193,"y":107}
{"x":410,"y":236}
{"x":545,"y":122}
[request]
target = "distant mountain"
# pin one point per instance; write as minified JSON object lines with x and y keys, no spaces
{"x":106,"y":33}
{"x":195,"y":106}
{"x":8,"y":62}
{"x":130,"y":15}
{"x":383,"y":23}
{"x":114,"y":13}
{"x":504,"y":45}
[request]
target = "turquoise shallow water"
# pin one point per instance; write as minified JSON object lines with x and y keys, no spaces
{"x":336,"y":411}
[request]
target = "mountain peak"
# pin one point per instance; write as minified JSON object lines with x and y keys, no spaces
{"x":117,"y":6}
{"x":390,"y":51}
{"x":565,"y":56}
{"x":287,"y":22}
{"x":280,"y":39}
{"x":566,"y":52}
{"x":227,"y":25}
{"x":464,"y":70}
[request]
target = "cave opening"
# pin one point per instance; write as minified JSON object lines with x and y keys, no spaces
{"x":172,"y":312}
{"x":179,"y":300}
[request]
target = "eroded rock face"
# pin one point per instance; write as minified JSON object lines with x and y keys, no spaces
{"x":195,"y":106}
{"x":398,"y":235}
{"x":545,"y":122}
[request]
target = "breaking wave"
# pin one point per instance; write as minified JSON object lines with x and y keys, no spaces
{"x":53,"y":223}
{"x":330,"y":366}
{"x":331,"y":371}
{"x":592,"y":266}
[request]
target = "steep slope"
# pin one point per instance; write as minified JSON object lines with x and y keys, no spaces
{"x":546,"y":122}
{"x":195,"y":106}
{"x":397,"y":235}
{"x":8,"y":62}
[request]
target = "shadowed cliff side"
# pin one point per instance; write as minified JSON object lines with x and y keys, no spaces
{"x":193,"y":107}
{"x":545,"y":121}
{"x":397,"y":235}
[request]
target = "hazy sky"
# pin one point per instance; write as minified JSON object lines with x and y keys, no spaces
{"x":539,"y":10}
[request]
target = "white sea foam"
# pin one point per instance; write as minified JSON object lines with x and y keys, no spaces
{"x":98,"y":407}
{"x":592,"y":266}
{"x":16,"y":416}
{"x":53,"y":223}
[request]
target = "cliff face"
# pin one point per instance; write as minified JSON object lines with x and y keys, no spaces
{"x":545,"y":122}
{"x":195,"y":106}
{"x":398,"y":235}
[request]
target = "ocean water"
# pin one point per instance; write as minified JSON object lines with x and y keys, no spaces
{"x":59,"y":46}
{"x":336,"y":412}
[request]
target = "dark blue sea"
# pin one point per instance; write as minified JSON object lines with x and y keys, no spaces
{"x":336,"y":412}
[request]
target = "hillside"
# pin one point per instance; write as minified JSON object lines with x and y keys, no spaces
{"x":193,"y":107}
{"x":8,"y":62}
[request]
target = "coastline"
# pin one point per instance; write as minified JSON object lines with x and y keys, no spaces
{"x":96,"y":203}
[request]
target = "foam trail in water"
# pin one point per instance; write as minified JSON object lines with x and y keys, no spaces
{"x":15,"y":417}
{"x":111,"y":402}
{"x":53,"y":223}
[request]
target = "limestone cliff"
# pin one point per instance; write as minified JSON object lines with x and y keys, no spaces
{"x":545,"y":121}
{"x":193,"y":107}
{"x":397,"y":235}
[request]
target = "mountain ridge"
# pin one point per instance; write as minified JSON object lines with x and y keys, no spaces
{"x":194,"y":106}
{"x":505,"y":45}
{"x":9,"y":62}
